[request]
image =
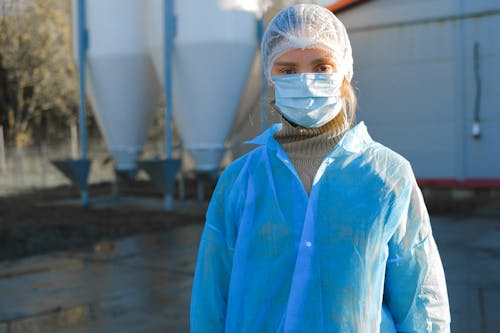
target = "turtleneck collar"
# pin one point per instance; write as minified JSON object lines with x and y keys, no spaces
{"x":307,"y":147}
{"x":309,"y":142}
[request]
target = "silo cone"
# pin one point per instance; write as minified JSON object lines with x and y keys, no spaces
{"x":213,"y":53}
{"x":121,"y":81}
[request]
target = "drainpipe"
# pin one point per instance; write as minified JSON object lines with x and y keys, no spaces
{"x":82,"y":50}
{"x":169,"y":35}
{"x":476,"y":125}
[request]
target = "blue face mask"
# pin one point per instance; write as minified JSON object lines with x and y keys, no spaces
{"x":309,"y":100}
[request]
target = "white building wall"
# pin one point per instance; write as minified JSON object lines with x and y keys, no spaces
{"x":414,"y":72}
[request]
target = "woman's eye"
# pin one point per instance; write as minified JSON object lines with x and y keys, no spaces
{"x":287,"y":71}
{"x":324,"y":69}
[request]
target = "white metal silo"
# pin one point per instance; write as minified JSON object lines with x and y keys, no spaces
{"x":213,"y":53}
{"x":121,"y":81}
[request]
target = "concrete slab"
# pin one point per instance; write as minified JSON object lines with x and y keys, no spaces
{"x":469,"y":248}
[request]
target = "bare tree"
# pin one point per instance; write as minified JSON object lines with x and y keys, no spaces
{"x":38,"y":83}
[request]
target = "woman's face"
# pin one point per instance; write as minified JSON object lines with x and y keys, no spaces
{"x":299,"y":61}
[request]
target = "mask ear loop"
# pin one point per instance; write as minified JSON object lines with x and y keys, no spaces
{"x":274,"y":108}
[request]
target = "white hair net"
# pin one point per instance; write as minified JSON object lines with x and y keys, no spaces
{"x":306,"y":26}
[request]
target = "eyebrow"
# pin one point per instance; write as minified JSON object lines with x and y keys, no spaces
{"x":314,"y":62}
{"x":285,"y":63}
{"x":323,"y":60}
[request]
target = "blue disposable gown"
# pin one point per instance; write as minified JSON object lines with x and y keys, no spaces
{"x":356,"y":255}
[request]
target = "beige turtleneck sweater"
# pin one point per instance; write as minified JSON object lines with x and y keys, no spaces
{"x":307,"y":147}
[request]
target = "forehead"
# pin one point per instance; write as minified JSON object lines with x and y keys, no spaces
{"x":304,"y":55}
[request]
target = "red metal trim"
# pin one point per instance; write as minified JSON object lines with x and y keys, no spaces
{"x":344,"y":4}
{"x":467,"y":183}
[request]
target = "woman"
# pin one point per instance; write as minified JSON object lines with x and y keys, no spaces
{"x":320,"y":228}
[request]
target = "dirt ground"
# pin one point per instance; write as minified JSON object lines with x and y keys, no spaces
{"x":37,"y":222}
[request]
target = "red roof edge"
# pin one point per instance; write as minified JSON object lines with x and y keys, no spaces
{"x":455,"y":183}
{"x":342,"y":5}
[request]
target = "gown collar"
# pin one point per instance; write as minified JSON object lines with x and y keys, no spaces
{"x":354,"y":140}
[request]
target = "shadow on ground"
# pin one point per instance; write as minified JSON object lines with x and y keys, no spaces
{"x":52,"y":219}
{"x":122,"y":268}
{"x":48,"y":220}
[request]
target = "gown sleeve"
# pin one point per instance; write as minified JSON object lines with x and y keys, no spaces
{"x":415,"y":287}
{"x":214,"y":265}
